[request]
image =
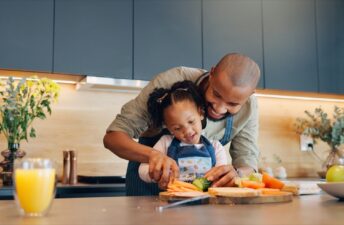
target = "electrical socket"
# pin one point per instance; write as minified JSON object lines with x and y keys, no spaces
{"x":306,"y":143}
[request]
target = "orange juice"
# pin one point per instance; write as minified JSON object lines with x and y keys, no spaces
{"x":35,"y":188}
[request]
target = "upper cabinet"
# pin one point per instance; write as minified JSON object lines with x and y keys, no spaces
{"x":166,"y":34}
{"x":298,"y":44}
{"x":26,"y":34}
{"x":330,"y":33}
{"x":290,"y":55}
{"x":232,"y":26}
{"x":93,"y":37}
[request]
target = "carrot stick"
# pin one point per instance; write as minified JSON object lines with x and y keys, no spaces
{"x":252,"y":184}
{"x":271,"y":182}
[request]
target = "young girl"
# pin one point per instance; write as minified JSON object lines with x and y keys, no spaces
{"x":181,"y":110}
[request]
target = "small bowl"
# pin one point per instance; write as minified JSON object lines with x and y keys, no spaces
{"x":336,"y":189}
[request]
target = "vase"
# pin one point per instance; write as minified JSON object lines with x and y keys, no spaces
{"x":335,"y":157}
{"x":10,"y":154}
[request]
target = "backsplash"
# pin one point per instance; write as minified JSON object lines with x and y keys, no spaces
{"x":80,"y":118}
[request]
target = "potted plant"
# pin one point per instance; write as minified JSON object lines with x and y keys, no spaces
{"x":21,"y":102}
{"x":318,"y":126}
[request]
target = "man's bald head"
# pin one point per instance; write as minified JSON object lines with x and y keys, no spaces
{"x":241,"y":70}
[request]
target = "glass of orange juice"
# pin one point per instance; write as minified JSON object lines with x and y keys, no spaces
{"x":34,"y":185}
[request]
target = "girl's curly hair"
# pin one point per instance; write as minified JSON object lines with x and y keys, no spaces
{"x":161,"y":98}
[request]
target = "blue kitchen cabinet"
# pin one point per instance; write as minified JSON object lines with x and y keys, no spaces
{"x":26,"y":34}
{"x":232,"y":26}
{"x":330,"y":33}
{"x":93,"y":37}
{"x":290,"y":56}
{"x":166,"y":34}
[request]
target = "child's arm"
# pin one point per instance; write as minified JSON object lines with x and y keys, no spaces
{"x":162,"y":146}
{"x":220,"y":154}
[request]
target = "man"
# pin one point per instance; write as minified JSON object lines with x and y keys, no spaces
{"x":232,"y":115}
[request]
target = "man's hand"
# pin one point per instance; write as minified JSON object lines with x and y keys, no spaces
{"x":222,"y":176}
{"x":162,"y":168}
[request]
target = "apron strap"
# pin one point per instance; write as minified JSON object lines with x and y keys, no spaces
{"x":229,"y":122}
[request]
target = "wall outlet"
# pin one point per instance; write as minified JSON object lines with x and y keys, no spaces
{"x":306,"y":143}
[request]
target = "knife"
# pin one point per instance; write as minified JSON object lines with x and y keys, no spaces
{"x":190,"y":201}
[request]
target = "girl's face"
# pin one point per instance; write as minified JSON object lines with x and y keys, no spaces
{"x":184,"y":120}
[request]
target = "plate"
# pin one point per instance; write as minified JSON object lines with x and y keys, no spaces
{"x":336,"y":189}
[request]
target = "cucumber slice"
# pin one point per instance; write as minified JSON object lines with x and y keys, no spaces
{"x":201,"y":183}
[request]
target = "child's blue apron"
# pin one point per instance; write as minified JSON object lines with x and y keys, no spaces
{"x":193,"y":162}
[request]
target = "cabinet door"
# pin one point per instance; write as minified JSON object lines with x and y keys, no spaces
{"x":26,"y":34}
{"x":232,"y":26}
{"x":290,"y":45}
{"x":330,"y":30}
{"x":93,"y":37}
{"x":166,"y":34}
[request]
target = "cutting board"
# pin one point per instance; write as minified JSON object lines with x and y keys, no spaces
{"x":285,"y":197}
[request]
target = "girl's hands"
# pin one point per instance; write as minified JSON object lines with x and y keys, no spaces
{"x":162,"y":168}
{"x":222,"y":176}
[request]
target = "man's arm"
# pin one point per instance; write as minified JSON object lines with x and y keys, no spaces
{"x":125,"y":147}
{"x":121,"y":144}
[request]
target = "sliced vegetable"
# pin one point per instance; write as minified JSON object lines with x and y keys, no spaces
{"x":252,"y":184}
{"x":180,"y":186}
{"x":184,"y":185}
{"x":271,"y":182}
{"x":256,"y":177}
{"x":201,"y":183}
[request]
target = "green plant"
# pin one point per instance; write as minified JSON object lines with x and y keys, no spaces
{"x":21,"y":102}
{"x":319,"y":126}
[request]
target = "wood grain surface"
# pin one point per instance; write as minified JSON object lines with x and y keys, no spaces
{"x":285,"y":197}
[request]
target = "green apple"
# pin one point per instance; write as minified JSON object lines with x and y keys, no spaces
{"x":335,"y":173}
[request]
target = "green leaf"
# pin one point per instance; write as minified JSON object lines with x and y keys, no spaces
{"x":32,"y":133}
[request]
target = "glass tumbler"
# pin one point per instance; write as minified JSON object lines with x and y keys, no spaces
{"x":34,"y":185}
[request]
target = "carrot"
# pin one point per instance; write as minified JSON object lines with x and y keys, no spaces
{"x":271,"y":182}
{"x":252,"y":184}
{"x":180,"y":186}
{"x":185,"y":184}
{"x":186,"y":189}
{"x":172,"y":188}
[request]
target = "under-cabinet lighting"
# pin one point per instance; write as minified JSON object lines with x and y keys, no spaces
{"x":299,"y":97}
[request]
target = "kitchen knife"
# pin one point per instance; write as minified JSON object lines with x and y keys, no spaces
{"x":190,"y":201}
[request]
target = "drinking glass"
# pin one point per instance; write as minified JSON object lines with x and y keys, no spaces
{"x":34,"y":185}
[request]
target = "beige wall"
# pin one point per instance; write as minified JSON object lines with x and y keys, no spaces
{"x":80,"y":118}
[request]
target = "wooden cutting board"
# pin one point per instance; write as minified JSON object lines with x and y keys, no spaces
{"x":285,"y":197}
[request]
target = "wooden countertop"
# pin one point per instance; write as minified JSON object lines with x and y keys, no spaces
{"x":311,"y":209}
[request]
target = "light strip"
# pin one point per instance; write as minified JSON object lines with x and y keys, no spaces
{"x":28,"y":78}
{"x":299,"y":98}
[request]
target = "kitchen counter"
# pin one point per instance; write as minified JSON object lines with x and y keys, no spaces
{"x":76,"y":191}
{"x":308,"y":209}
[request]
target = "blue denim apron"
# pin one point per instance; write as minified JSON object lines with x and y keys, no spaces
{"x":192,"y":162}
{"x":136,"y":187}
